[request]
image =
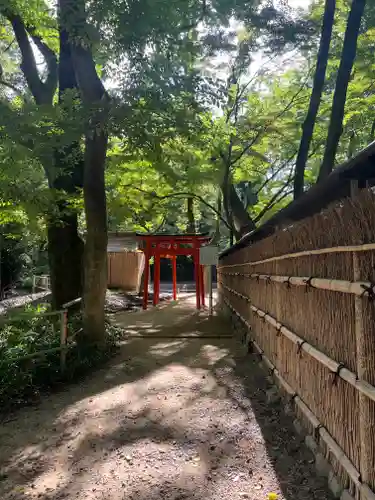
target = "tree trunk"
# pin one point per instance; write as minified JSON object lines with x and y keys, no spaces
{"x":236,"y":214}
{"x":65,"y":247}
{"x":73,"y":17}
{"x":1,"y":263}
{"x":231,"y":238}
{"x":242,"y":222}
{"x":216,"y":237}
{"x":237,"y":217}
{"x":95,"y":256}
{"x":190,"y":216}
{"x":65,"y":252}
{"x":351,"y":146}
{"x":372,"y":131}
{"x":225,"y":191}
{"x":343,"y":77}
{"x":316,"y":95}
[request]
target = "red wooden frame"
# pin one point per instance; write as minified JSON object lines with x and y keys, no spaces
{"x":168,"y":246}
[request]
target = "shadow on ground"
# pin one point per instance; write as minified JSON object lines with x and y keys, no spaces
{"x":180,"y":413}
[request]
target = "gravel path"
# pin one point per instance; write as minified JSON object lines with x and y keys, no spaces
{"x":174,"y":418}
{"x":115,"y":300}
{"x":21,"y":300}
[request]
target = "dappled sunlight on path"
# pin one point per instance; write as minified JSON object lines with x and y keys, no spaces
{"x":171,"y":417}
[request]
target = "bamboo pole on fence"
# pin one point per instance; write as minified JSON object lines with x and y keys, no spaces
{"x":26,"y":315}
{"x":278,"y":297}
{"x":307,"y":253}
{"x":72,"y":303}
{"x":365,"y":346}
{"x":332,"y":445}
{"x":31,"y":355}
{"x":338,"y":369}
{"x":361,"y":288}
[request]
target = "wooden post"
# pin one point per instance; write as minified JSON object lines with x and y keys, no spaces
{"x":174,"y":277}
{"x":210,"y":299}
{"x":365,"y":347}
{"x":145,"y":282}
{"x":201,"y":269}
{"x":141,"y":267}
{"x":109,"y":269}
{"x":147,"y":276}
{"x":156,"y":279}
{"x":196,"y":277}
{"x":158,"y":282}
{"x":63,"y":339}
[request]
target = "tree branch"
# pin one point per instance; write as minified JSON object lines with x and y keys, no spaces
{"x":179,"y":194}
{"x":51,"y":60}
{"x":8,"y":46}
{"x":190,"y":26}
{"x":275,"y":198}
{"x":11,"y":86}
{"x":161,"y":224}
{"x":271,"y":205}
{"x":197,"y":197}
{"x":277,"y":171}
{"x":246,"y":85}
{"x":270,"y":122}
{"x":42,"y":91}
{"x":28,"y":64}
{"x":73,"y":14}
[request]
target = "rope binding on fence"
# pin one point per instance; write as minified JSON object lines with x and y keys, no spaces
{"x":336,"y":373}
{"x":369,"y":290}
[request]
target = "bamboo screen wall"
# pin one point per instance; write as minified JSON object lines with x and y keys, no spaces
{"x":306,"y":295}
{"x":125,"y":270}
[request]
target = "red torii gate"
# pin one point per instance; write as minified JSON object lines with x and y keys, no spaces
{"x":168,"y":246}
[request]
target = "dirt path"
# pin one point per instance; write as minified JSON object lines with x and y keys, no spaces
{"x":169,"y":418}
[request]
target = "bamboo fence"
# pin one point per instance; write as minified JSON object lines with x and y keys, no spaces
{"x":125,"y":270}
{"x":306,"y":295}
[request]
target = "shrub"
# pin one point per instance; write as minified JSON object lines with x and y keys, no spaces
{"x":23,"y":378}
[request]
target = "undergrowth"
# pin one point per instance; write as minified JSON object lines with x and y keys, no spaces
{"x":23,"y":380}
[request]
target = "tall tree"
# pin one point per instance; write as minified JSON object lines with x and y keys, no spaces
{"x":316,"y":95}
{"x":64,"y":170}
{"x":348,"y":55}
{"x":64,"y":243}
{"x":73,"y":22}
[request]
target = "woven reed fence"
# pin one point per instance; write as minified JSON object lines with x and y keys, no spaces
{"x":307,"y":297}
{"x":125,"y":270}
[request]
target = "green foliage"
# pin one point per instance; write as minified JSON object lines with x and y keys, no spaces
{"x":163,"y":92}
{"x":22,"y":379}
